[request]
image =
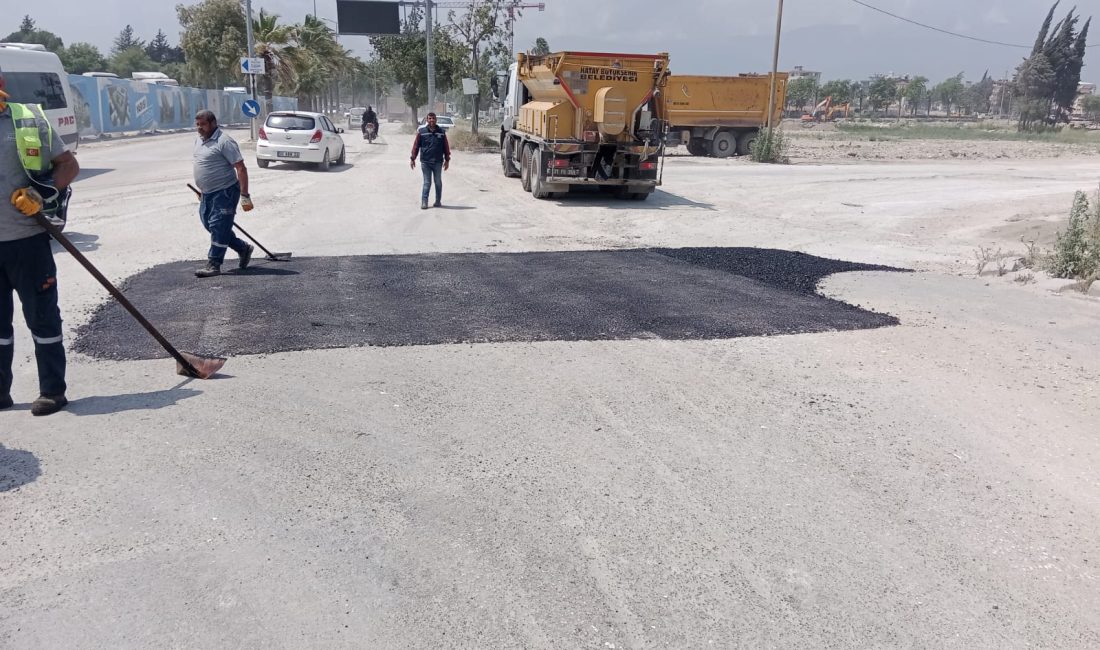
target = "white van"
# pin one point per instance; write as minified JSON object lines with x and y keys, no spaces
{"x":158,"y":78}
{"x":34,"y":76}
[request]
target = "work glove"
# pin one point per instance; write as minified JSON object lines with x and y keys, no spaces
{"x":27,"y":200}
{"x":246,"y":202}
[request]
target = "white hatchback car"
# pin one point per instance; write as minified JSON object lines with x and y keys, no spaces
{"x":442,"y":121}
{"x":298,"y":136}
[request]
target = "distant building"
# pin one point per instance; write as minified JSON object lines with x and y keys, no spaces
{"x":1084,"y":90}
{"x":799,"y":72}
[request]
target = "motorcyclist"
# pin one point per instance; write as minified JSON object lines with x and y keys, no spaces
{"x":370,"y":117}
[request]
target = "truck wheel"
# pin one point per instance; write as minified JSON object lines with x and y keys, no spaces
{"x":507,"y":153}
{"x":697,"y":147}
{"x":724,"y":145}
{"x":525,"y":169}
{"x":538,"y":177}
{"x":744,"y":143}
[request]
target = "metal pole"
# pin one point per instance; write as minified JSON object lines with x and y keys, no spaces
{"x":251,"y":77}
{"x":775,"y":70}
{"x":429,"y":54}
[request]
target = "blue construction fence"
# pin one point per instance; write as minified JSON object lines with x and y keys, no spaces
{"x":106,"y":105}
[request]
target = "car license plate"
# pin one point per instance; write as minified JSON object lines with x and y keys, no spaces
{"x":565,"y":171}
{"x":287,"y":154}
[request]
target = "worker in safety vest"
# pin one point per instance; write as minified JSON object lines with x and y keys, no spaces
{"x":35,"y":173}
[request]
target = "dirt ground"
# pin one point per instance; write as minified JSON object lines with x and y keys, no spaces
{"x":927,"y":484}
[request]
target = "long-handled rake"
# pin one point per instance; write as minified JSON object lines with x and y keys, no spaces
{"x":274,"y":257}
{"x":188,"y":365}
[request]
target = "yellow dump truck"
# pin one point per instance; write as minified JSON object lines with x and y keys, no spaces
{"x":720,"y":116}
{"x":585,"y":118}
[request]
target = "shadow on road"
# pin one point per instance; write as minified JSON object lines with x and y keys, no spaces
{"x":151,"y":401}
{"x":594,"y":197}
{"x":84,"y":243}
{"x":17,"y":468}
{"x":91,"y":172}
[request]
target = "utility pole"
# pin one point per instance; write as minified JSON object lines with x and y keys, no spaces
{"x":775,"y":71}
{"x":251,"y":77}
{"x":430,"y":55}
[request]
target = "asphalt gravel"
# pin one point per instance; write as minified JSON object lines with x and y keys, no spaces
{"x":427,"y":299}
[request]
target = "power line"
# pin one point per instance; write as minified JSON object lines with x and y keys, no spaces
{"x":941,"y":30}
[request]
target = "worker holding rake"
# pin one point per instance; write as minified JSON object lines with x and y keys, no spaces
{"x":35,"y":173}
{"x":222,"y":179}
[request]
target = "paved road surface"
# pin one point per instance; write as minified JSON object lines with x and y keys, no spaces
{"x":927,"y":484}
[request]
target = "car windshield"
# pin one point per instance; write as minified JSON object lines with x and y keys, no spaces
{"x":290,"y":122}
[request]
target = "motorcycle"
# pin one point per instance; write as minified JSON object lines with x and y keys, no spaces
{"x":370,"y":131}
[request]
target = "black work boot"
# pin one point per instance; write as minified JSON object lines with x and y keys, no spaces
{"x":5,"y":402}
{"x":246,"y":257}
{"x":424,"y":205}
{"x":210,"y":270}
{"x":48,"y":404}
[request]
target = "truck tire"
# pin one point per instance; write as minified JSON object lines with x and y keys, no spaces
{"x":697,"y":147}
{"x":744,"y":143}
{"x":507,"y":154}
{"x":724,"y":145}
{"x":538,"y":177}
{"x":525,"y":168}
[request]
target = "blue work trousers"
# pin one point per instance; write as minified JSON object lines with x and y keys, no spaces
{"x":432,"y":170}
{"x":217,"y":211}
{"x":27,"y":268}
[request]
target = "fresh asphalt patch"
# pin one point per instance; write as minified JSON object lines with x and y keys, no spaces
{"x":430,"y":299}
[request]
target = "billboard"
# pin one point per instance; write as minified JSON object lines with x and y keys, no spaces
{"x":367,"y":17}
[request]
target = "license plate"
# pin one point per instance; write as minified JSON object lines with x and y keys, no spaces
{"x":287,"y":154}
{"x":567,"y":171}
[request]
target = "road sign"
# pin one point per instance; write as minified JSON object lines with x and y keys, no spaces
{"x":469,"y":87}
{"x":253,"y":65}
{"x":250,"y":108}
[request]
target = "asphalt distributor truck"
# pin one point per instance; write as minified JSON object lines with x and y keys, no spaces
{"x":573,"y":119}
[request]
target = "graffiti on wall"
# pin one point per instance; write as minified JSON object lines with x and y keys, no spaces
{"x":105,"y":105}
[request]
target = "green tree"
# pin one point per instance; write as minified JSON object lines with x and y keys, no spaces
{"x":839,"y":89}
{"x":801,"y":91}
{"x":127,"y":62}
{"x":404,"y":54}
{"x":273,"y":42}
{"x":1046,"y":82}
{"x":915,"y":92}
{"x":979,"y":99}
{"x":213,"y":40}
{"x":1091,"y":106}
{"x":161,"y":51}
{"x":541,"y":47}
{"x":79,"y":58}
{"x":882,"y":93}
{"x":29,"y":33}
{"x":126,"y":40}
{"x":949,"y":92}
{"x":1034,"y":84}
{"x":480,"y":25}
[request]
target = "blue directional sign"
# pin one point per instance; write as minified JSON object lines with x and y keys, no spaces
{"x":250,"y":108}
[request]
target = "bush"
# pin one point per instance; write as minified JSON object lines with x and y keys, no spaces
{"x":769,"y":147}
{"x":467,"y":141}
{"x":1077,"y":250}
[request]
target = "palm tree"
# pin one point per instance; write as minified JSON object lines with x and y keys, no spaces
{"x":273,"y":42}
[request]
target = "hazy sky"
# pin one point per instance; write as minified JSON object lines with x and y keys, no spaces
{"x":838,"y":37}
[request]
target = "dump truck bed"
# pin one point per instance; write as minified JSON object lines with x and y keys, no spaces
{"x":742,"y":101}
